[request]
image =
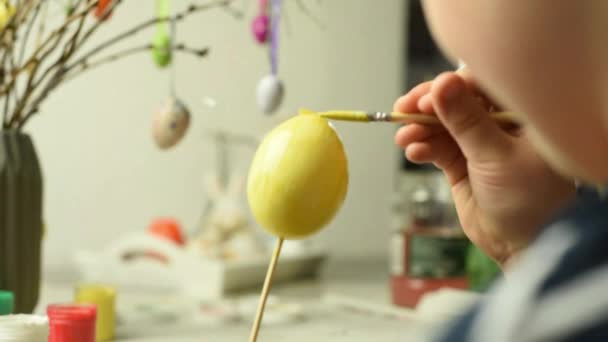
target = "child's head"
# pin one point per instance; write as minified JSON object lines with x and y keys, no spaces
{"x":544,"y":58}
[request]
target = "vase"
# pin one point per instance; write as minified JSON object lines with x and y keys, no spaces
{"x":20,"y":219}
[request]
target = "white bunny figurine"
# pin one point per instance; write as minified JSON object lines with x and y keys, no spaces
{"x":226,"y":232}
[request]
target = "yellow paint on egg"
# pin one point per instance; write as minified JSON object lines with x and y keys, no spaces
{"x":298,"y":178}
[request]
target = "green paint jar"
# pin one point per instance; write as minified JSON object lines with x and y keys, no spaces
{"x":481,"y":269}
{"x":7,"y":302}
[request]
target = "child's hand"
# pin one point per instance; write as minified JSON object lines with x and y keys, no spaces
{"x":503,"y":190}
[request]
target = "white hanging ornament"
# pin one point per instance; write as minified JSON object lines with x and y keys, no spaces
{"x":170,"y":123}
{"x":270,"y":92}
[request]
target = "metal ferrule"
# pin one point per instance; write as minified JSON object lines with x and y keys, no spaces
{"x":379,"y":116}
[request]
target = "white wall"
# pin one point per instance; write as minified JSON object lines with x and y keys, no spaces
{"x":104,"y":176}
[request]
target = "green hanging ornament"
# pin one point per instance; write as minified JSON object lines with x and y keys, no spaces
{"x":70,"y":8}
{"x":162,"y":42}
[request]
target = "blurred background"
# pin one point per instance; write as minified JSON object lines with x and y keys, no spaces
{"x":105,"y":176}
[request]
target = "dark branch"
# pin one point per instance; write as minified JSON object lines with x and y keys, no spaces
{"x":177,"y":17}
{"x":85,"y":65}
{"x":27,"y":32}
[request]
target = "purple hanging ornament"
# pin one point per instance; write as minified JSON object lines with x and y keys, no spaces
{"x":270,"y":89}
{"x":274,"y":36}
{"x":260,"y":26}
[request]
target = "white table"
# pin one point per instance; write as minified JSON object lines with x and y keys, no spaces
{"x":364,"y":282}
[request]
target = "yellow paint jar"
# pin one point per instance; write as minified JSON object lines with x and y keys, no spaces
{"x":104,"y":297}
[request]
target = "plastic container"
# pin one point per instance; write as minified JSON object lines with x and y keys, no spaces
{"x":428,"y":248}
{"x":72,"y":322}
{"x":104,"y":297}
{"x":24,"y":328}
{"x":7,"y":302}
{"x":189,"y":274}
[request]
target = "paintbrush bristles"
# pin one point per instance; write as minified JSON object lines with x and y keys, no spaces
{"x":345,"y":115}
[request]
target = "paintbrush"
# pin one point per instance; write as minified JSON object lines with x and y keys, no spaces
{"x":502,"y":118}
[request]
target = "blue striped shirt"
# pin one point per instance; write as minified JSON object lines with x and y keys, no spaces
{"x":558,"y":291}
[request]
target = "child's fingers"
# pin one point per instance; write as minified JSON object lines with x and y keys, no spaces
{"x":454,"y":169}
{"x":442,"y":151}
{"x":432,"y":150}
{"x":425,"y":104}
{"x":467,"y":121}
{"x":421,"y":89}
{"x":416,"y":132}
{"x":408,"y":103}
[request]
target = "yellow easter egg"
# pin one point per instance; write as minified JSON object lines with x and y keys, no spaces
{"x":298,"y":177}
{"x":6,"y":12}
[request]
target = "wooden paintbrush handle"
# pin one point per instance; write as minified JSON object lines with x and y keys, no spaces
{"x":428,"y":119}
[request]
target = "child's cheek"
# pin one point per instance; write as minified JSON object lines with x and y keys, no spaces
{"x":454,"y":25}
{"x":558,"y":161}
{"x":439,"y":22}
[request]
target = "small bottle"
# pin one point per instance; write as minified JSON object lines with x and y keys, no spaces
{"x":423,"y":207}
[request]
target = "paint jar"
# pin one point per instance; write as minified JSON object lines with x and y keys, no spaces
{"x":7,"y":302}
{"x":428,"y":248}
{"x":104,"y":298}
{"x":24,"y":328}
{"x":71,"y":322}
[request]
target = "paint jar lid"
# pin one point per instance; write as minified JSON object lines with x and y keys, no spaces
{"x":7,"y":301}
{"x":24,"y":328}
{"x":71,"y":312}
{"x":95,"y":292}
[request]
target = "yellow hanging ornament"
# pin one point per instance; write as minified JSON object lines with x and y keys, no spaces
{"x":7,"y":11}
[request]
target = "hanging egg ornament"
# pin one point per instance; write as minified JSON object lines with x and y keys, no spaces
{"x":270,"y":93}
{"x":170,"y":123}
{"x":298,"y":178}
{"x":260,"y":26}
{"x":101,"y":9}
{"x":161,"y":49}
{"x":69,"y":9}
{"x":6,"y":13}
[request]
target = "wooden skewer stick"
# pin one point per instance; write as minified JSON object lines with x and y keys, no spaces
{"x":265,"y":291}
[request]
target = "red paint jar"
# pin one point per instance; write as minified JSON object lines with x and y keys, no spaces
{"x":71,"y":322}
